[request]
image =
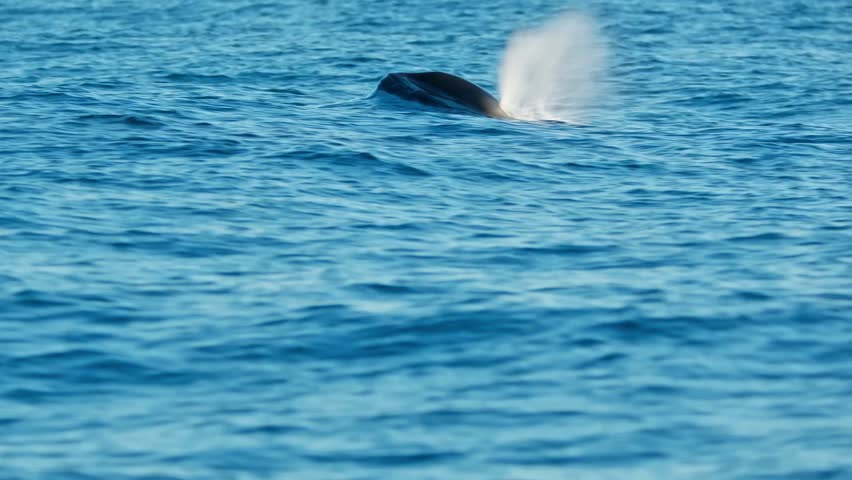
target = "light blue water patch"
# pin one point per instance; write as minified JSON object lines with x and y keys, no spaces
{"x":222,"y":260}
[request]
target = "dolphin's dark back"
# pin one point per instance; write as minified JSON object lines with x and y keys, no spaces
{"x":443,"y":90}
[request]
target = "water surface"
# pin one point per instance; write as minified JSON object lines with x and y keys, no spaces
{"x":223,"y":261}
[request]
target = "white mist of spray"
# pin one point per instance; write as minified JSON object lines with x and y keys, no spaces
{"x":553,"y":72}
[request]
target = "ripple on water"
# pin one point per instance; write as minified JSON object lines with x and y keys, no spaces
{"x":223,"y":258}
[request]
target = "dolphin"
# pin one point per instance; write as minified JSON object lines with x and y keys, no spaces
{"x":443,"y":90}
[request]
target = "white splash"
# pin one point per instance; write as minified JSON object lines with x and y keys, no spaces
{"x":555,"y":71}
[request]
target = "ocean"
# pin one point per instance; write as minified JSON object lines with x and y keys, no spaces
{"x":226,"y":256}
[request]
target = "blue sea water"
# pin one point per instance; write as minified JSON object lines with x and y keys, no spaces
{"x":223,"y":260}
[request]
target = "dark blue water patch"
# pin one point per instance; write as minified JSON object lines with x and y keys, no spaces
{"x":197,"y":78}
{"x":724,"y":100}
{"x":128,"y":120}
{"x":759,"y":238}
{"x":809,"y":474}
{"x":363,"y":162}
{"x":390,"y":460}
{"x":288,"y":91}
{"x":72,"y":369}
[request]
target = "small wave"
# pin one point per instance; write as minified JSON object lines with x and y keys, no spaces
{"x":330,"y":156}
{"x":198,"y":78}
{"x":761,"y":237}
{"x":39,"y":95}
{"x":130,"y":120}
{"x":384,"y":288}
{"x":567,"y":249}
{"x":718,"y":99}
